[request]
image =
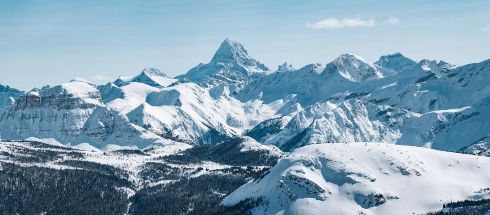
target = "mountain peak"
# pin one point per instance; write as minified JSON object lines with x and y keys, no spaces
{"x":8,"y":89}
{"x":153,"y":72}
{"x":231,"y":51}
{"x":349,"y":56}
{"x":231,"y":64}
{"x":396,"y":62}
{"x":79,"y":79}
{"x":153,"y":77}
{"x":439,"y":63}
{"x":355,"y":68}
{"x":437,"y":67}
{"x":285,"y":67}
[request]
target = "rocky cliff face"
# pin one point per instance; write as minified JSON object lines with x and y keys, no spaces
{"x":71,"y":113}
{"x":8,"y":96}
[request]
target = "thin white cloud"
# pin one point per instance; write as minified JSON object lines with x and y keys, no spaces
{"x":80,"y":79}
{"x":392,"y":20}
{"x":485,"y":29}
{"x":332,"y":23}
{"x":99,"y":78}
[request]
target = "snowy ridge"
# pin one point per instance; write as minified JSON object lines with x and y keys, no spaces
{"x":348,"y":121}
{"x":411,"y":107}
{"x":437,"y":67}
{"x":367,"y":178}
{"x":249,"y":144}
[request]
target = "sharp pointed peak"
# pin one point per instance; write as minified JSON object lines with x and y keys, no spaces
{"x":228,"y":40}
{"x":152,"y":72}
{"x":233,"y":52}
{"x":230,"y":50}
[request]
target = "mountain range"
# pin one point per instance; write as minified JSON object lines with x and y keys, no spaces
{"x":391,"y":118}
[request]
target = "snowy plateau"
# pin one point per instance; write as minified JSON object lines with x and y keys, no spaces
{"x":232,"y":136}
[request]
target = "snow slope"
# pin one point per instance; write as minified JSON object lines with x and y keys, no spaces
{"x":347,"y":121}
{"x":190,"y":113}
{"x":366,"y":178}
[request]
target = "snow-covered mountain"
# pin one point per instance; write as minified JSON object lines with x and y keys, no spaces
{"x":230,"y":65}
{"x":437,"y":67}
{"x":394,"y":100}
{"x":347,"y":121}
{"x":285,"y":67}
{"x":186,"y":111}
{"x":365,"y":178}
{"x":397,"y":62}
{"x":189,"y":141}
{"x":315,"y":82}
{"x":410,"y":106}
{"x":354,"y":68}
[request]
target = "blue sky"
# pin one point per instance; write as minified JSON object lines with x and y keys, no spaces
{"x":50,"y":42}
